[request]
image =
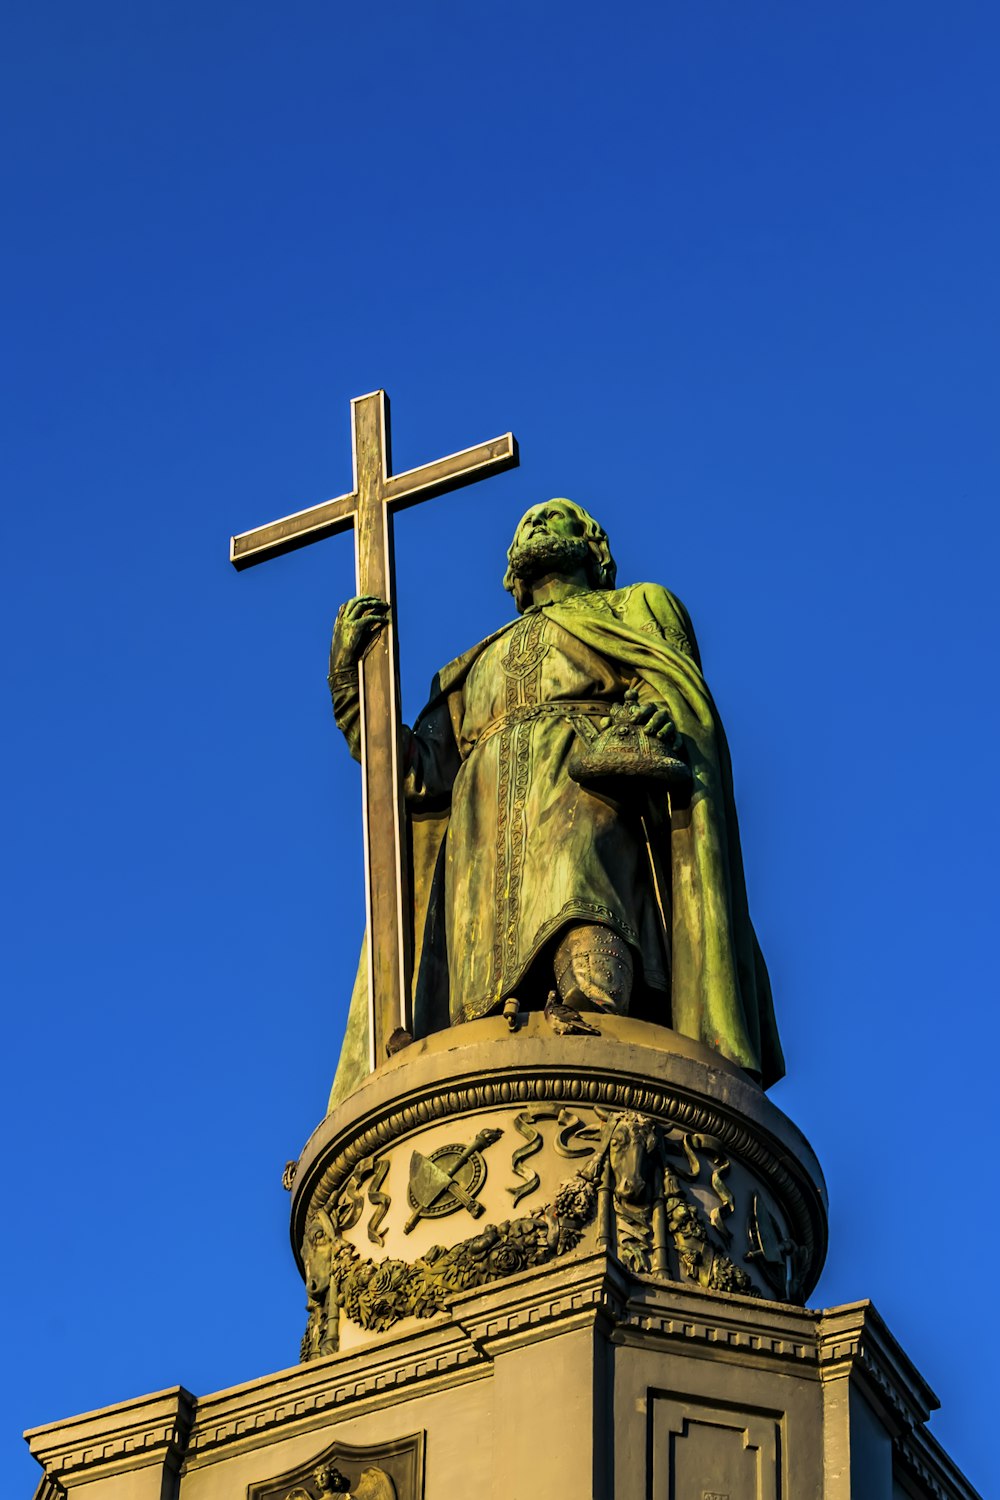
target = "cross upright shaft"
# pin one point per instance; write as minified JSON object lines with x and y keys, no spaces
{"x":368,"y":509}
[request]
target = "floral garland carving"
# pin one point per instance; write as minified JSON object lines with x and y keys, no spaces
{"x":377,"y":1294}
{"x":544,"y":1087}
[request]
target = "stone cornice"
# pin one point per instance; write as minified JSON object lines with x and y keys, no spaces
{"x":588,"y":1291}
{"x":855,"y":1342}
{"x":303,"y":1397}
{"x":722,"y":1326}
{"x":920,"y":1458}
{"x":435,"y":1355}
{"x":49,"y":1489}
{"x":150,"y":1430}
{"x":538,"y":1301}
{"x":851,"y":1343}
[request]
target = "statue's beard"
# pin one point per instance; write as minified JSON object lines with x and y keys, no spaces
{"x":548,"y":554}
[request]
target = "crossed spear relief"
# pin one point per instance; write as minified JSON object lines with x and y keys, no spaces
{"x":451,"y":1176}
{"x":432,"y":1184}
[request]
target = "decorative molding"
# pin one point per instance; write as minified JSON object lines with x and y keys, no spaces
{"x":151,"y":1430}
{"x":921,"y":1458}
{"x":49,"y":1489}
{"x":454,"y":1349}
{"x":854,"y":1341}
{"x":355,"y":1382}
{"x":583,"y":1289}
{"x":680,"y":1427}
{"x":718,"y":1336}
{"x":543,"y":1086}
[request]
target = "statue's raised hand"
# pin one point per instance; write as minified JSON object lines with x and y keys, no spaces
{"x":358,"y":623}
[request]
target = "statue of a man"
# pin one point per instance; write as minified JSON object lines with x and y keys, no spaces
{"x":526,"y":881}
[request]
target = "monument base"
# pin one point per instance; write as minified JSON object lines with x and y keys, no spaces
{"x":478,"y":1153}
{"x":564,"y":1382}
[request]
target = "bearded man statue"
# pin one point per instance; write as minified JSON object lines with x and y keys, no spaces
{"x":532,"y":885}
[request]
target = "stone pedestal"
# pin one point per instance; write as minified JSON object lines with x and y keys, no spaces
{"x":569,"y":1267}
{"x":478,"y":1153}
{"x":571,"y":1382}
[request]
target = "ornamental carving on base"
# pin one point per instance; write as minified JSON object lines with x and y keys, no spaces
{"x":531,"y":1096}
{"x":392,"y":1470}
{"x":631,"y":1190}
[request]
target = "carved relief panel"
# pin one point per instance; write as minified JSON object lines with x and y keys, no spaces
{"x":384,"y":1471}
{"x":702,"y":1452}
{"x":472,"y":1199}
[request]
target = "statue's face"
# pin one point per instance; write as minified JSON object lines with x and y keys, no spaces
{"x":557,"y":539}
{"x":550,"y":538}
{"x":553,"y":518}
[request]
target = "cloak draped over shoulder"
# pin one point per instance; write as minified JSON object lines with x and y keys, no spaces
{"x":507,"y":849}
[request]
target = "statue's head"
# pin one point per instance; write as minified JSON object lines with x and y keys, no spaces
{"x":557,"y":536}
{"x":329,"y":1480}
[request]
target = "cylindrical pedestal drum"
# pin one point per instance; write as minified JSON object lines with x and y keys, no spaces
{"x":479,"y":1155}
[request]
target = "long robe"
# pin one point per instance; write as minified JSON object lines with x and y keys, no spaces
{"x":507,"y":849}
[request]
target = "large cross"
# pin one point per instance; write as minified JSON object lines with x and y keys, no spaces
{"x":368,"y":509}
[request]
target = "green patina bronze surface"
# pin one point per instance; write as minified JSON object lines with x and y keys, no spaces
{"x":509,"y":850}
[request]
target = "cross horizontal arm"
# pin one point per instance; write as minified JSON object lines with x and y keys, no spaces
{"x":294,"y":531}
{"x":452,"y":473}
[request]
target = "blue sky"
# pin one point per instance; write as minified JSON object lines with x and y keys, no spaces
{"x":730,"y":274}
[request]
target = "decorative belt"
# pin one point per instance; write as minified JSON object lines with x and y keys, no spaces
{"x":567,"y":708}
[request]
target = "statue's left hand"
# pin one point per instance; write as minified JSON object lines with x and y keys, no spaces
{"x":655,"y":718}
